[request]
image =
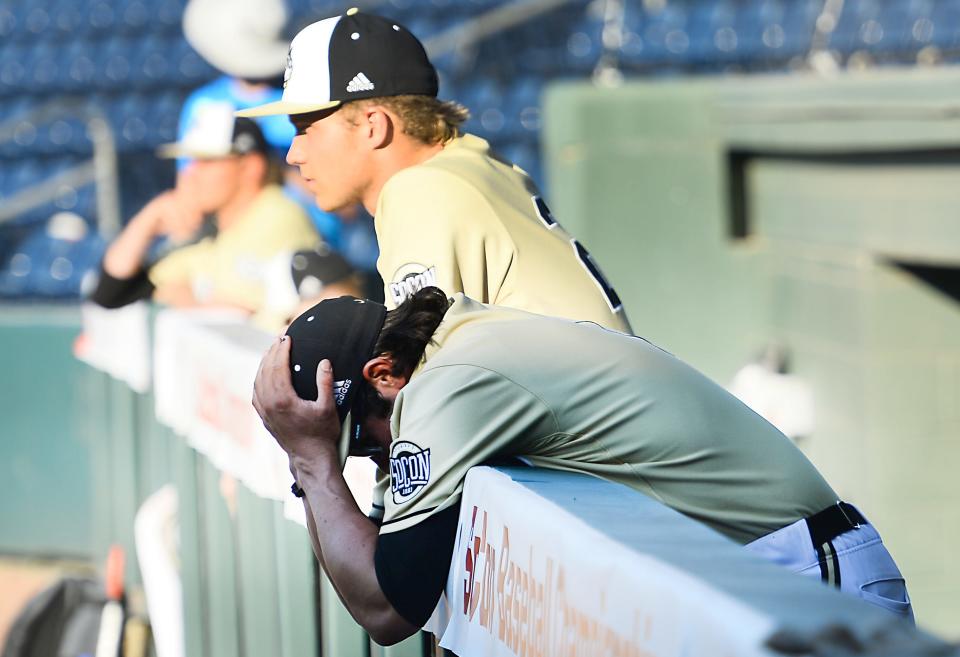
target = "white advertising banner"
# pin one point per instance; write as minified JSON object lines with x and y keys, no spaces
{"x":117,"y":342}
{"x":529,"y":578}
{"x":206,"y":363}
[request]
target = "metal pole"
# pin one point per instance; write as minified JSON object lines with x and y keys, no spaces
{"x":493,"y":21}
{"x":106,"y":182}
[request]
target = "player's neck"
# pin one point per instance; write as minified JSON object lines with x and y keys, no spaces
{"x":402,"y":154}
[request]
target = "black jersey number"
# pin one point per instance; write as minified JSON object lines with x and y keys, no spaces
{"x":613,"y":299}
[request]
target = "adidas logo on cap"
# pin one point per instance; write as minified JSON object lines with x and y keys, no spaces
{"x":340,"y":389}
{"x":360,"y":82}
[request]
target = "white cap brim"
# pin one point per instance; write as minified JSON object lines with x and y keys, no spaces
{"x":286,"y":107}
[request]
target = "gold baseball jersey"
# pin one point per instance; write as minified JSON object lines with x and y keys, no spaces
{"x":230,"y":267}
{"x":465,"y":221}
{"x":565,"y":395}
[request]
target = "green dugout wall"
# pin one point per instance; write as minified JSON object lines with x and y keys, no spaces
{"x":81,"y":451}
{"x":820,"y":213}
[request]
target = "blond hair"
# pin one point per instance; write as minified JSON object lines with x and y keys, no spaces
{"x":424,"y":118}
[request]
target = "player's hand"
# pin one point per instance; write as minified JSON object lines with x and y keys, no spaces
{"x":173,"y":214}
{"x":304,"y":429}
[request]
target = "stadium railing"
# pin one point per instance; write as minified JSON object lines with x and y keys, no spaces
{"x":545,"y":563}
{"x":100,"y":170}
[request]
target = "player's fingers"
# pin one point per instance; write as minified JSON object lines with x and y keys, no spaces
{"x":280,"y":378}
{"x":259,"y":381}
{"x":273,"y":387}
{"x":325,"y":384}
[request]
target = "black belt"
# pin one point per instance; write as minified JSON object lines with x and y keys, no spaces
{"x":826,"y":525}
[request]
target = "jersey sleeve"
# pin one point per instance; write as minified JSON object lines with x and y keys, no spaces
{"x":435,"y":229}
{"x":412,"y":565}
{"x":181,"y":265}
{"x":445,"y":421}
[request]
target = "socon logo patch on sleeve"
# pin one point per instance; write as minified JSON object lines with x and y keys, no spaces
{"x":409,"y":470}
{"x":410,"y":278}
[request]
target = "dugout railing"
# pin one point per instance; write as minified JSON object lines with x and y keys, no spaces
{"x":545,"y":563}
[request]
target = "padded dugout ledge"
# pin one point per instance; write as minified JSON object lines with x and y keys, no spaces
{"x":547,"y":562}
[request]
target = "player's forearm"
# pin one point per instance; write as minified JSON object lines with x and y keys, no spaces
{"x":346,"y":541}
{"x":312,"y":532}
{"x":126,"y":254}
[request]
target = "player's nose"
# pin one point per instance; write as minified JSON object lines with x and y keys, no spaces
{"x":295,"y":152}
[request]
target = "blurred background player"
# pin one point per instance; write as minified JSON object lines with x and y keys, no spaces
{"x":298,"y":281}
{"x":245,"y":40}
{"x":362,"y":95}
{"x":232,"y":177}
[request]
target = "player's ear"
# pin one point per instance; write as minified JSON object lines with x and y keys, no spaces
{"x":379,"y":374}
{"x":380,"y":126}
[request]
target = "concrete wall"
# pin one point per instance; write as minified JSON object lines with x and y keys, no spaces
{"x":731,"y":212}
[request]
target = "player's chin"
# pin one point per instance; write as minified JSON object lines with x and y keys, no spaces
{"x":326,"y":202}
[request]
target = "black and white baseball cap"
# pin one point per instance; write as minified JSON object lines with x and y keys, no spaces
{"x":215,"y":132}
{"x":350,"y":57}
{"x":344,"y":331}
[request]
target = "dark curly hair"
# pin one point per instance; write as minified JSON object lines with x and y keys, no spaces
{"x":406,"y":332}
{"x":409,"y":328}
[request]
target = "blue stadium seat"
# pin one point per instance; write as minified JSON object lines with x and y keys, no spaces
{"x":13,"y":72}
{"x":908,"y":28}
{"x":169,"y":15}
{"x":191,"y":69}
{"x":37,"y":22}
{"x":113,"y":63}
{"x":857,"y":26}
{"x":665,"y":35}
{"x":162,"y":116}
{"x":423,"y":26}
{"x":53,"y":268}
{"x":525,"y":154}
{"x":14,"y":269}
{"x":68,"y":17}
{"x":799,"y":22}
{"x":152,"y":62}
{"x":8,"y":23}
{"x":480,"y":94}
{"x":760,"y":29}
{"x":135,"y":17}
{"x":701,"y":26}
{"x":125,"y":114}
{"x":523,"y":106}
{"x":14,"y":20}
{"x":78,"y":70}
{"x":945,"y":16}
{"x":44,"y":62}
{"x":101,"y":18}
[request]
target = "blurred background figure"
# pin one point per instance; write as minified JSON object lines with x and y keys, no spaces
{"x":231,"y":176}
{"x":245,"y":40}
{"x":298,"y":281}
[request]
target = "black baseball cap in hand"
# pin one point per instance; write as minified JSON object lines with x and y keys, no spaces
{"x":350,"y":57}
{"x":343,"y":331}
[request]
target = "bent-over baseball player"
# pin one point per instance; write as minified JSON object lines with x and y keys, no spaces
{"x":434,"y":387}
